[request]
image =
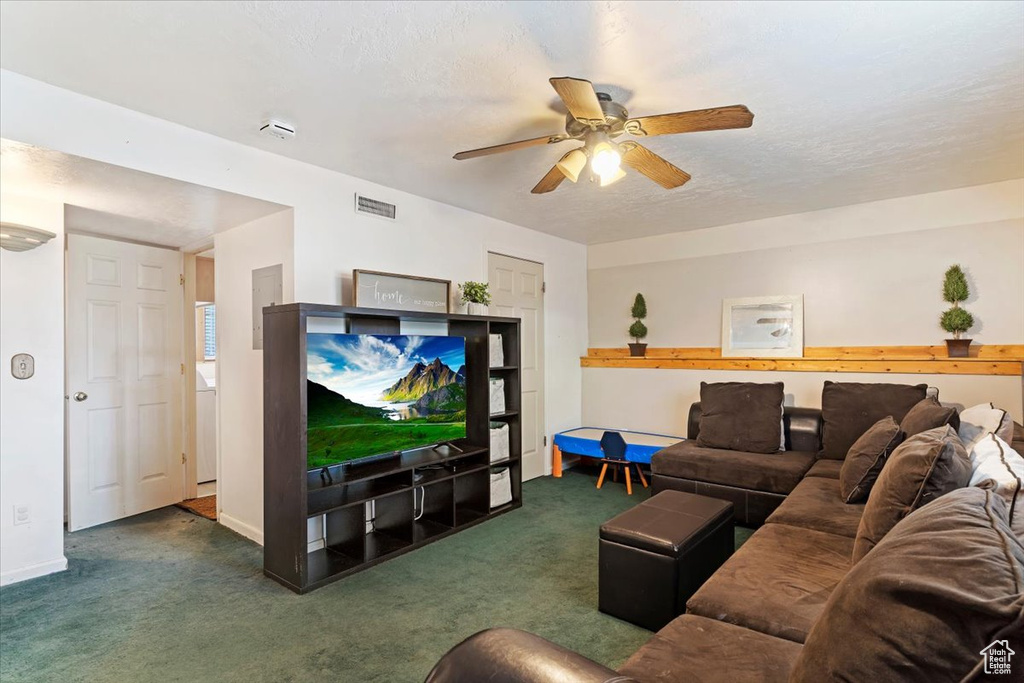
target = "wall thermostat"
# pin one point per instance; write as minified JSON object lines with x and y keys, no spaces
{"x":23,"y":366}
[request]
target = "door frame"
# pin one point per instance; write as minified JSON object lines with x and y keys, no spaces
{"x":190,"y":473}
{"x":189,"y":485}
{"x":533,"y":257}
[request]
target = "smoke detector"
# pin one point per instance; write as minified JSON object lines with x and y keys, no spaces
{"x":277,"y":129}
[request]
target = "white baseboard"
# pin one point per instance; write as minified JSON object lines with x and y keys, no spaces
{"x":33,"y":571}
{"x":315,"y":545}
{"x":250,"y":532}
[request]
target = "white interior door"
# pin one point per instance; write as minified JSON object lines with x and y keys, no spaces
{"x":517,"y":290}
{"x":124,"y":353}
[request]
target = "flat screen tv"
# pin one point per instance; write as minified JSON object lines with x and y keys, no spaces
{"x":374,"y":395}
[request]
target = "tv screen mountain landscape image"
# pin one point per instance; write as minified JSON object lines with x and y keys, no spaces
{"x":370,"y":395}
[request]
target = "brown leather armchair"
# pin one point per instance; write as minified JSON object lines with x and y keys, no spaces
{"x":507,"y":655}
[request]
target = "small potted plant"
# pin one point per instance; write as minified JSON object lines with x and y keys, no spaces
{"x":638,"y":330}
{"x":956,"y":320}
{"x":476,"y":296}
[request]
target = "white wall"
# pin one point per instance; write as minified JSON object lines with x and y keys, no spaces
{"x":264,"y":242}
{"x":330,"y":240}
{"x":876,"y":282}
{"x":32,"y":410}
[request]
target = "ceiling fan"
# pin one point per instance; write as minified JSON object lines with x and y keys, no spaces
{"x":596,"y":120}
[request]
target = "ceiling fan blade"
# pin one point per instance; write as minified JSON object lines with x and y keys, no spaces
{"x":643,"y":160}
{"x":510,"y":146}
{"x":549,"y":182}
{"x":736,"y":116}
{"x":580,"y":99}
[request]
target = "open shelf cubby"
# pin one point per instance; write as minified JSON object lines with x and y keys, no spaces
{"x":370,"y":511}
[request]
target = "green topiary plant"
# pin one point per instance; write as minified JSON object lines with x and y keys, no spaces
{"x":639,"y":311}
{"x":956,"y":320}
{"x":476,"y":292}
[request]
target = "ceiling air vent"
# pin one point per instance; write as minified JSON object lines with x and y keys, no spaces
{"x":374,"y":207}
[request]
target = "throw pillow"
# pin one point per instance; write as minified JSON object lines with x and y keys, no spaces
{"x":782,"y":428}
{"x":866,"y":457}
{"x":982,"y":419}
{"x":941,"y":586}
{"x":740,"y":416}
{"x":921,"y":469}
{"x":928,"y":414}
{"x":848,"y":409}
{"x":999,"y":467}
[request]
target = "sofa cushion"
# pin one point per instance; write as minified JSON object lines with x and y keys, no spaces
{"x":692,"y":649}
{"x":828,"y":469}
{"x":920,"y":470}
{"x":866,"y":457}
{"x":741,"y":416}
{"x":775,"y":473}
{"x":948,"y":580}
{"x":816,"y":504}
{"x":928,"y":414}
{"x":777,"y":582}
{"x":848,"y":409}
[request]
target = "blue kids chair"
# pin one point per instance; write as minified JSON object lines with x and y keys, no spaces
{"x":613,"y":447}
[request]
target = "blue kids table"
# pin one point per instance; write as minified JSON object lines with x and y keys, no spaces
{"x":586,"y":441}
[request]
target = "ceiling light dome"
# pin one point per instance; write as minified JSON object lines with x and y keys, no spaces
{"x":14,"y":237}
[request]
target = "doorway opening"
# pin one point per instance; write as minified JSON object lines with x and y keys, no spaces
{"x":205,"y":405}
{"x":141,"y":354}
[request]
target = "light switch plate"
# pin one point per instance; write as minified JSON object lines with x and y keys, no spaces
{"x":22,"y":514}
{"x":23,"y":366}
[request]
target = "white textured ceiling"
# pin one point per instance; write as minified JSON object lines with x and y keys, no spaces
{"x":113,"y":201}
{"x":853,"y":102}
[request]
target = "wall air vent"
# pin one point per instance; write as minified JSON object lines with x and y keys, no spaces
{"x":375,"y":207}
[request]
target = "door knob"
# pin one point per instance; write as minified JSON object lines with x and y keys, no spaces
{"x":81,"y":396}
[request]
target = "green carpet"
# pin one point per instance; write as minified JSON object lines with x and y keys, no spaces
{"x":168,"y":596}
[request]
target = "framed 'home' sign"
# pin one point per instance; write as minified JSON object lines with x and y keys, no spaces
{"x":373,"y":289}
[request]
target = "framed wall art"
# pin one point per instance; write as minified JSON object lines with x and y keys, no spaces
{"x":763,"y":327}
{"x":373,"y":289}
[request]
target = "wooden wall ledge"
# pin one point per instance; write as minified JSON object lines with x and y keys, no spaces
{"x":988,"y":359}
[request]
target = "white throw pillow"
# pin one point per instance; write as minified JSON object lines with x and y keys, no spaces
{"x":982,"y":419}
{"x":782,"y":429}
{"x":994,"y":463}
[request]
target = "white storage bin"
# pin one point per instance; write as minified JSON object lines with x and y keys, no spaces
{"x":499,"y":441}
{"x":497,"y":396}
{"x":497,"y":351}
{"x":501,"y":487}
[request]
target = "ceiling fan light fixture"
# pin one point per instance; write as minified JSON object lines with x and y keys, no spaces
{"x":595,"y":119}
{"x":572,"y":164}
{"x":606,"y":160}
{"x":615,"y":177}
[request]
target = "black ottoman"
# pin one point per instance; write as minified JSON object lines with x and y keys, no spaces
{"x":653,"y":557}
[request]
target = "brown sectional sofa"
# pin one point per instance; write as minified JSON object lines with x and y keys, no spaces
{"x":750,"y":621}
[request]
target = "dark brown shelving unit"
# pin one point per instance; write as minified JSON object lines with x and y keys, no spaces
{"x":368,"y":508}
